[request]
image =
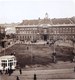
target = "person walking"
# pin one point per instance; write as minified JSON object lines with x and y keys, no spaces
{"x":17,"y":78}
{"x":35,"y":77}
{"x":6,"y":71}
{"x":20,"y":70}
{"x":1,"y":72}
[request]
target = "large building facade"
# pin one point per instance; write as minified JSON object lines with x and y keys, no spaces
{"x":45,"y":32}
{"x":46,"y":29}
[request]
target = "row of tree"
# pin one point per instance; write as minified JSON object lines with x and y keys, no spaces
{"x":2,"y":36}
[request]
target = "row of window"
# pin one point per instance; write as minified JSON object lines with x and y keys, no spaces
{"x":31,"y":37}
{"x":62,"y":29}
{"x":26,"y":28}
{"x":26,"y":37}
{"x":27,"y":32}
{"x":50,"y":30}
{"x":59,"y":30}
{"x":30,"y":29}
{"x":62,"y":37}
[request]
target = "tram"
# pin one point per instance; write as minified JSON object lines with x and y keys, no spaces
{"x":8,"y":62}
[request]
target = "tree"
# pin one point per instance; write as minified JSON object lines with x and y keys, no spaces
{"x":2,"y":36}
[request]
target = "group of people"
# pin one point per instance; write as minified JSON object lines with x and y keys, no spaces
{"x":10,"y":71}
{"x":7,"y":71}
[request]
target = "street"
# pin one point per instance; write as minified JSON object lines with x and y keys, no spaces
{"x":55,"y":74}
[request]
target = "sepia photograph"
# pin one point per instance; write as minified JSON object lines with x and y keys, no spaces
{"x":37,"y":39}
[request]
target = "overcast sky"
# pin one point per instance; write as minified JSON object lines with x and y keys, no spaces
{"x":18,"y":10}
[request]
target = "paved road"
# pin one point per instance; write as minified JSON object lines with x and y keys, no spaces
{"x":56,"y":74}
{"x":54,"y":71}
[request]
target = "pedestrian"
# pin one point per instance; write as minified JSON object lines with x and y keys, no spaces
{"x":20,"y":70}
{"x":35,"y":77}
{"x":9,"y":71}
{"x":27,"y":48}
{"x":6,"y":72}
{"x":17,"y":78}
{"x":1,"y":72}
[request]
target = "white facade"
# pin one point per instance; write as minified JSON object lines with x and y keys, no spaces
{"x":7,"y":62}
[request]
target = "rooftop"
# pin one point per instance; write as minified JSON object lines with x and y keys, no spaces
{"x":54,"y":21}
{"x":7,"y":57}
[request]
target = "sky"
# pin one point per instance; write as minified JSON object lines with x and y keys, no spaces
{"x":13,"y":11}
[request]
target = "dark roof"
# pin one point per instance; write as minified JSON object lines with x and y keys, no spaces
{"x":53,"y":21}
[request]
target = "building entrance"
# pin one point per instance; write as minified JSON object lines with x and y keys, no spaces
{"x":45,"y":37}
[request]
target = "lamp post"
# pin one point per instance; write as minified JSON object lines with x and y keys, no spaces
{"x":5,"y":42}
{"x":54,"y":55}
{"x":54,"y":48}
{"x":37,"y":35}
{"x":30,"y":49}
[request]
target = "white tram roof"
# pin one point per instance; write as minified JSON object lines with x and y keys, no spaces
{"x":7,"y":57}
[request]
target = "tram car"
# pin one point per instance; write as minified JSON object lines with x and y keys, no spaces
{"x":7,"y":62}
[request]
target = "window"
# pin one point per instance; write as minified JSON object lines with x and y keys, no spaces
{"x":4,"y":63}
{"x":3,"y":60}
{"x":10,"y":64}
{"x":10,"y":60}
{"x":70,"y":30}
{"x":60,"y":29}
{"x":21,"y":28}
{"x":16,"y":28}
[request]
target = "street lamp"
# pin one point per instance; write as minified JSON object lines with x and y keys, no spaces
{"x":4,"y":43}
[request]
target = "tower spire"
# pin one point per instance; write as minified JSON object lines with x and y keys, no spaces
{"x":46,"y":15}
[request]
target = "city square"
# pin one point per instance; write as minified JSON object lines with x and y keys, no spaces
{"x":37,"y":40}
